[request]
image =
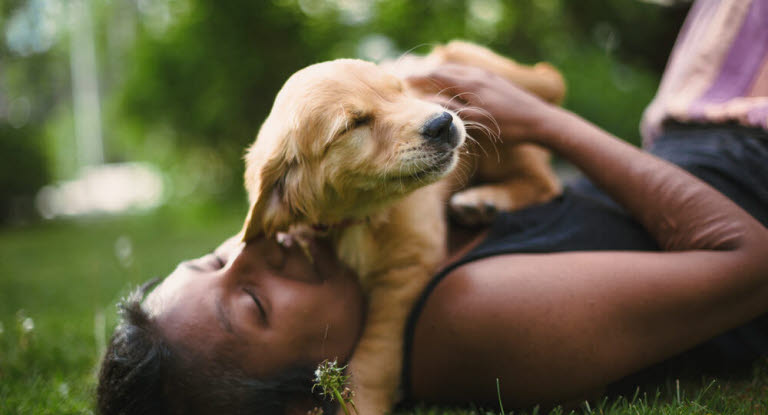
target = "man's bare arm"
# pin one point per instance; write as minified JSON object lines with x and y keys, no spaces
{"x":555,"y":326}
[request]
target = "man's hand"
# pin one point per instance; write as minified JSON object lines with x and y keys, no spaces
{"x":480,"y":96}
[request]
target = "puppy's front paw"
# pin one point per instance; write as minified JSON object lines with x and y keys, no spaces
{"x":475,"y":207}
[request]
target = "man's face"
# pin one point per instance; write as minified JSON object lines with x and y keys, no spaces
{"x":261,"y":305}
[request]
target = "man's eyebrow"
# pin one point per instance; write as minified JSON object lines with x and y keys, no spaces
{"x":223,"y":316}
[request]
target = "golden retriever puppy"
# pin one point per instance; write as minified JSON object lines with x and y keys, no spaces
{"x":349,"y":150}
{"x":345,"y":148}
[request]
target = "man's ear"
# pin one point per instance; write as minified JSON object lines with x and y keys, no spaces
{"x":269,"y":210}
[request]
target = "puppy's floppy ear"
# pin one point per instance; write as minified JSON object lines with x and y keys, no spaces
{"x":269,"y":210}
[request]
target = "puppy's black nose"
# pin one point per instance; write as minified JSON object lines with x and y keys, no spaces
{"x":440,"y":129}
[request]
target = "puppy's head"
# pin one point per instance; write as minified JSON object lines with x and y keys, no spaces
{"x":343,"y":139}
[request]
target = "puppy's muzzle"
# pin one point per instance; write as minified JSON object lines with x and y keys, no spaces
{"x":440,"y":131}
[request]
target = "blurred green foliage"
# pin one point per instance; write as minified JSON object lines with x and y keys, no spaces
{"x":185,"y":84}
{"x":20,"y":156}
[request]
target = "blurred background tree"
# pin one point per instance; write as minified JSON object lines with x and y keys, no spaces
{"x":185,"y":84}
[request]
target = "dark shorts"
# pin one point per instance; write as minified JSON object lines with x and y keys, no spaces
{"x":732,"y":159}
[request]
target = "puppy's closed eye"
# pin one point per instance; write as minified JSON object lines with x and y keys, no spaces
{"x":361,"y":119}
{"x":357,"y":120}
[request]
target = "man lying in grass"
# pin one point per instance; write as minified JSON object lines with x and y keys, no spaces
{"x":558,"y":301}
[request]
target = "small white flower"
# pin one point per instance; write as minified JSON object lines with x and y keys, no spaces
{"x":64,"y":389}
{"x":27,"y":325}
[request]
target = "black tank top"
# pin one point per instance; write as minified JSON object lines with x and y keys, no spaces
{"x":732,"y":159}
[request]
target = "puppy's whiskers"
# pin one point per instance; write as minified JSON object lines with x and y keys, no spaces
{"x":463,"y":173}
{"x":493,"y":134}
{"x":485,"y":130}
{"x":400,"y":176}
{"x":459,"y":95}
{"x":474,"y":140}
{"x":496,"y":135}
{"x":403,"y":55}
{"x":387,"y":165}
{"x":386,"y":172}
{"x":440,"y":92}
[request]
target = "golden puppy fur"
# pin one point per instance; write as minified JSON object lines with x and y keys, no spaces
{"x":344,"y":150}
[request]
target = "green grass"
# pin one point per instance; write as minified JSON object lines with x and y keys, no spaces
{"x":707,"y":397}
{"x":66,"y":277}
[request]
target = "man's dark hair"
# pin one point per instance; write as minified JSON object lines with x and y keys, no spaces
{"x":142,"y":374}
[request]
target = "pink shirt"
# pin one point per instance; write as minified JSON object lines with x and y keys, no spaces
{"x":718,"y":69}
